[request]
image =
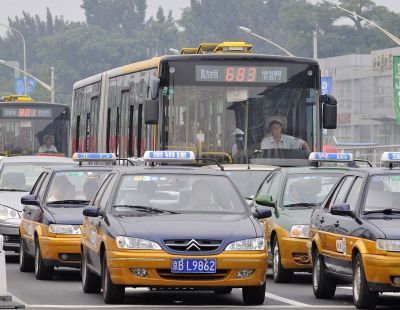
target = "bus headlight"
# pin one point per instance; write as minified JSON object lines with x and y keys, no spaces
{"x":300,"y":231}
{"x":388,"y":245}
{"x":136,"y":243}
{"x":255,"y":244}
{"x":65,"y":229}
{"x":8,"y":213}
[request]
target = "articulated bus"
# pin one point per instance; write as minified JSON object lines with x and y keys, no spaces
{"x":25,"y":125}
{"x":215,"y":100}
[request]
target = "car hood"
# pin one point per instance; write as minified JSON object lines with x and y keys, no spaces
{"x":390,"y":227}
{"x":224,"y":227}
{"x":67,"y":214}
{"x":12,"y":199}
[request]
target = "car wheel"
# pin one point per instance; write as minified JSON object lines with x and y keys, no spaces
{"x":254,"y":295}
{"x":280,"y":274}
{"x":324,"y":287}
{"x":26,"y":262}
{"x":112,"y":293}
{"x":90,"y":281}
{"x":42,"y":272}
{"x":363,"y":298}
{"x":223,"y":291}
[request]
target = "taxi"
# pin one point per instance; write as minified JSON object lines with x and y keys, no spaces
{"x":50,"y":229}
{"x":293,"y":192}
{"x":163,"y":226}
{"x":355,"y":236}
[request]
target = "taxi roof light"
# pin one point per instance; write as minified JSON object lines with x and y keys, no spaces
{"x":90,"y":157}
{"x":390,"y":158}
{"x":168,"y":156}
{"x":330,"y":157}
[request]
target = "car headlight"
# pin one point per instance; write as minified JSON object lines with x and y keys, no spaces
{"x":8,"y":213}
{"x":136,"y":243}
{"x":65,"y":229}
{"x":388,"y":245}
{"x":255,"y":244}
{"x":300,"y":231}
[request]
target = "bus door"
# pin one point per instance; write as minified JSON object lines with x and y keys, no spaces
{"x":92,"y":125}
{"x":124,"y":124}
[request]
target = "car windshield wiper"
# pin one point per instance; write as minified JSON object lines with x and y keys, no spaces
{"x":12,"y":190}
{"x":68,"y":201}
{"x":384,"y":211}
{"x":300,"y":204}
{"x":145,"y":209}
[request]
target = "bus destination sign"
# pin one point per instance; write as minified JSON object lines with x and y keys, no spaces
{"x":246,"y":74}
{"x":26,"y":112}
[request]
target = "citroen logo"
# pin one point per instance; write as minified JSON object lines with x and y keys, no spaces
{"x":193,"y":245}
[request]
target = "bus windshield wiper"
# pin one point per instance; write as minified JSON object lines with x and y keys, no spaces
{"x":12,"y":190}
{"x":145,"y":209}
{"x":68,"y":201}
{"x":300,"y":204}
{"x":384,"y":211}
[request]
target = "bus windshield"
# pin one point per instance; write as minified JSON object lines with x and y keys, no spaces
{"x":33,"y":128}
{"x":261,"y":112}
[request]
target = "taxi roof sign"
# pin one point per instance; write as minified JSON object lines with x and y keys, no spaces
{"x":330,"y":157}
{"x":167,"y":156}
{"x":391,"y":157}
{"x":93,"y":157}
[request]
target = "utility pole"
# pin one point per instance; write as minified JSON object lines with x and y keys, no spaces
{"x":315,"y":44}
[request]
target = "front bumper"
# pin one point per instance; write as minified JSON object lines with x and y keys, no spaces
{"x":158,"y":265}
{"x":10,"y":233}
{"x":55,"y":248}
{"x":294,"y":254}
{"x":380,"y":271}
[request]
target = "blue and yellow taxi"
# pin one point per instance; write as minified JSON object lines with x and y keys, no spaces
{"x":52,"y":217}
{"x":293,"y":192}
{"x":163,"y":226}
{"x":355,"y":236}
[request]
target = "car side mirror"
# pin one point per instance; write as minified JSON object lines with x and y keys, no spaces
{"x":30,"y":200}
{"x":265,"y":200}
{"x":341,"y":209}
{"x":91,"y":211}
{"x":329,"y":111}
{"x":262,"y":213}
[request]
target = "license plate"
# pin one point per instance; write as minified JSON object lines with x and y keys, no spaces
{"x":194,"y":265}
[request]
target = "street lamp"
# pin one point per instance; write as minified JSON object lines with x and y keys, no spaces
{"x":390,"y":35}
{"x":248,"y":31}
{"x":24,"y":51}
{"x":45,"y":85}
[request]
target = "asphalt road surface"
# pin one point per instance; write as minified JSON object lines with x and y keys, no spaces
{"x":65,"y":292}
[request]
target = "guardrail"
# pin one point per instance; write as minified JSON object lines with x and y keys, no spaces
{"x":371,"y":153}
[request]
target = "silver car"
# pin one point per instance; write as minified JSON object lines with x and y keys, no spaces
{"x":17,"y":176}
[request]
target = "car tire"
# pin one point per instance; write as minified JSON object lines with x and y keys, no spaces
{"x":362,"y":296}
{"x":280,"y":274}
{"x":91,"y":283}
{"x":26,"y":262}
{"x":324,"y":286}
{"x":254,"y":295}
{"x":42,"y":272}
{"x":223,"y":291}
{"x":112,"y":293}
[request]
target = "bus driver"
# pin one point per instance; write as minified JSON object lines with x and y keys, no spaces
{"x":48,"y":145}
{"x":277,"y":140}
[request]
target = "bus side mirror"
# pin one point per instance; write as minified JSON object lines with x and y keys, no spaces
{"x":154,"y":84}
{"x":329,"y":111}
{"x":151,"y":111}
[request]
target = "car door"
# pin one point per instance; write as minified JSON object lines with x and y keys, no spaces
{"x":93,"y":229}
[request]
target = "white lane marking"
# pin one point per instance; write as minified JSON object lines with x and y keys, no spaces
{"x":16,"y":299}
{"x":286,"y":300}
{"x":384,"y":294}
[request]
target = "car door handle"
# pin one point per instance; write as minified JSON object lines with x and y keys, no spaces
{"x":336,"y":224}
{"x":321,"y":220}
{"x":29,"y":212}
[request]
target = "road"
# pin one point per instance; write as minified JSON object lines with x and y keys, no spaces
{"x":65,"y":292}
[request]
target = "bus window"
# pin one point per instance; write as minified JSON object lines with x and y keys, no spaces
{"x":117,"y":134}
{"x":78,"y":123}
{"x":108,"y":130}
{"x":130,"y":132}
{"x":87,"y":133}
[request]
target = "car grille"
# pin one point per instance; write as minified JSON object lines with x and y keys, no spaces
{"x":192,"y":245}
{"x":11,"y":238}
{"x":168,"y":275}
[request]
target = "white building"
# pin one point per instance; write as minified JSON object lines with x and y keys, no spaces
{"x":363,"y":87}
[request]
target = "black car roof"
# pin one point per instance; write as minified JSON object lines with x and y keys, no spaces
{"x":375,"y":171}
{"x":170,"y":169}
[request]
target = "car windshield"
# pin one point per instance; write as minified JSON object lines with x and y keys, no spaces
{"x":178,"y":193}
{"x":74,"y":186}
{"x":20,"y":176}
{"x":383,"y":193}
{"x":247,"y":181}
{"x":308,"y":189}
